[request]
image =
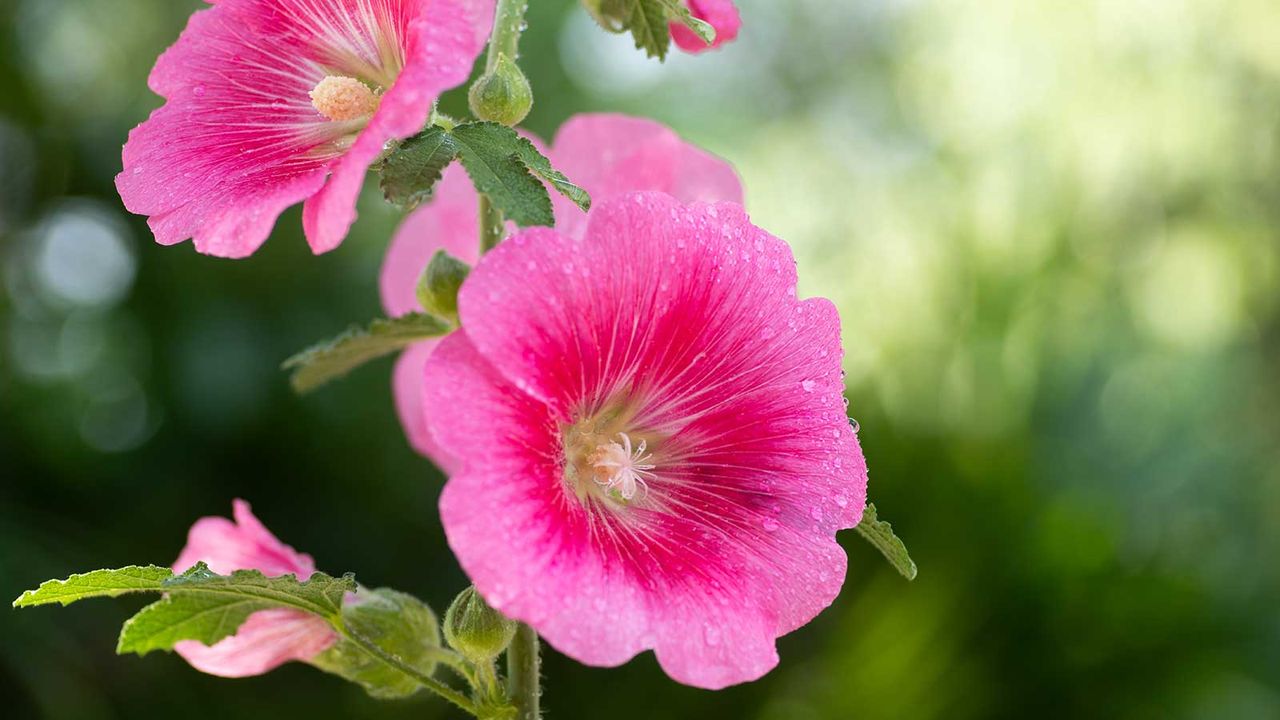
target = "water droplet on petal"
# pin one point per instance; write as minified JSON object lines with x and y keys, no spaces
{"x":808,"y":385}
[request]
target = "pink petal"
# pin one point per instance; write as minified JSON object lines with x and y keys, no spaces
{"x":245,"y":544}
{"x":449,"y":222}
{"x":407,"y":388}
{"x":268,"y":639}
{"x":721,"y":14}
{"x":606,"y":154}
{"x":609,"y":154}
{"x":692,"y":311}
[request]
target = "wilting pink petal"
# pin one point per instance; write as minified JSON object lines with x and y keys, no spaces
{"x":269,"y":637}
{"x":606,"y":154}
{"x":239,"y":138}
{"x":721,"y":14}
{"x":267,"y":640}
{"x":654,"y":445}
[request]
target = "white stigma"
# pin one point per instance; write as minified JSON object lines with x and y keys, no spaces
{"x":622,"y":468}
{"x":342,"y":98}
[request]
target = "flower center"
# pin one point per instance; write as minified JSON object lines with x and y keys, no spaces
{"x":621,"y":468}
{"x":342,"y":98}
{"x":606,"y":460}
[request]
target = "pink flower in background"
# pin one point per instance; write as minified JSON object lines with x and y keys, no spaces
{"x":652,"y":437}
{"x":265,"y":99}
{"x":606,"y":154}
{"x":721,"y":14}
{"x":268,"y":638}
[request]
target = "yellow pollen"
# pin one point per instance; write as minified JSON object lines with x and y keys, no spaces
{"x":342,"y":98}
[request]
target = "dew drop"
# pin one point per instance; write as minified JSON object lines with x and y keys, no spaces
{"x":770,"y":524}
{"x":808,"y":385}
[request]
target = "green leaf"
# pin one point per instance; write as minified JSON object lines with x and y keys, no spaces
{"x":541,"y":166}
{"x":99,"y":583}
{"x":201,"y":605}
{"x":880,"y":534}
{"x":680,"y":12}
{"x":334,"y":358}
{"x":398,"y":623}
{"x":388,"y":642}
{"x":490,"y":153}
{"x":410,"y":173}
{"x":649,"y":27}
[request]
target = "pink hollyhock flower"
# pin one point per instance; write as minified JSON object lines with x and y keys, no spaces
{"x":267,"y":98}
{"x":720,"y":14}
{"x":652,"y":436}
{"x":268,"y":638}
{"x":606,"y":154}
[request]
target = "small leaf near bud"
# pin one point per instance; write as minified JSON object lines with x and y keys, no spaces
{"x":439,"y":284}
{"x":503,"y":95}
{"x":476,"y":630}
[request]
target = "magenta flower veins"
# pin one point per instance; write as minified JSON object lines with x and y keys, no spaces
{"x":267,"y":98}
{"x":652,"y":431}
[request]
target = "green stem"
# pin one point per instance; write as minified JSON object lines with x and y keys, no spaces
{"x":508,"y":23}
{"x":423,"y":679}
{"x":522,"y":673}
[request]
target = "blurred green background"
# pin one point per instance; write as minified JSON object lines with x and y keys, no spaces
{"x":1051,"y":229}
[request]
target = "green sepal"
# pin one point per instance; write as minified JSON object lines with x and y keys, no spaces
{"x":334,"y":358}
{"x":503,"y":95}
{"x":475,"y":629}
{"x":880,"y":534}
{"x":398,"y":623}
{"x":439,"y":284}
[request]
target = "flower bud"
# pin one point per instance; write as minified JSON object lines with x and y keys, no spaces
{"x":476,"y":630}
{"x":503,"y":95}
{"x":439,"y":284}
{"x":611,"y":15}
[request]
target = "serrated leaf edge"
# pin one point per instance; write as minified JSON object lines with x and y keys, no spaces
{"x":881,"y":536}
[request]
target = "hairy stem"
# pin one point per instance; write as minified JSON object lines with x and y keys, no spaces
{"x":523,"y":674}
{"x":423,"y":679}
{"x":508,"y":23}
